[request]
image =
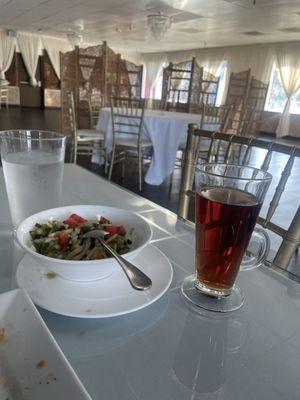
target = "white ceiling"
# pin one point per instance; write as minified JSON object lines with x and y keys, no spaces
{"x":197,"y":23}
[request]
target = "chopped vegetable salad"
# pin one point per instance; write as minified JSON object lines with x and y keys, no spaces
{"x":64,"y":240}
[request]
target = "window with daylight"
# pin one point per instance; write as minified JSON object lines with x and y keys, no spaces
{"x":157,"y":87}
{"x":276,"y":98}
{"x":222,"y":74}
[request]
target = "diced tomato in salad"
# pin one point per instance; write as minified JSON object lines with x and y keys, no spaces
{"x":111,"y":229}
{"x":121,"y":230}
{"x":115,"y":230}
{"x":63,"y":240}
{"x":98,"y":256}
{"x":74,"y":220}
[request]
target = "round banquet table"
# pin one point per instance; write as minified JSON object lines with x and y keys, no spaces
{"x":165,"y":129}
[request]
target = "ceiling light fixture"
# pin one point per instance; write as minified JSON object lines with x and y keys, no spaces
{"x":74,"y":38}
{"x":159,"y":24}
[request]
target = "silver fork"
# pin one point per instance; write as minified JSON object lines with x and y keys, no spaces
{"x":136,"y":277}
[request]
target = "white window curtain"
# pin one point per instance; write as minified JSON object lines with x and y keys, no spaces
{"x":54,"y":46}
{"x":7,"y":49}
{"x":153,"y":64}
{"x":30,"y":47}
{"x":211,"y":59}
{"x":259,"y":58}
{"x":288,"y":63}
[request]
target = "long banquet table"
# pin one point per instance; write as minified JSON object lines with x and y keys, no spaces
{"x":166,"y":130}
{"x":167,"y":351}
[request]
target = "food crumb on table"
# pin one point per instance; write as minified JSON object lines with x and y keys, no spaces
{"x":2,"y":336}
{"x":51,"y":275}
{"x":41,"y":364}
{"x":51,"y":376}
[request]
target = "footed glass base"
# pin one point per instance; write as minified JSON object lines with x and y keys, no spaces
{"x":225,"y":304}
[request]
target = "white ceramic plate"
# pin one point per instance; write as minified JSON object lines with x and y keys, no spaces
{"x":103,"y":298}
{"x":32,"y":365}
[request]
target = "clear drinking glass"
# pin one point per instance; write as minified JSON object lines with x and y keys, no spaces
{"x":33,"y":163}
{"x":228,"y":201}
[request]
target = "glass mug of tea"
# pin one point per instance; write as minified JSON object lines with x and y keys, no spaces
{"x":227,"y":203}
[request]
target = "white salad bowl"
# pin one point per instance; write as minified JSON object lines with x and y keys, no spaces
{"x":137,"y":230}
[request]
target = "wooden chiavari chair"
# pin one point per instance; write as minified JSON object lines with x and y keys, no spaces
{"x":84,"y":141}
{"x":247,"y":121}
{"x":127,"y":123}
{"x":213,"y":115}
{"x":290,"y":236}
{"x":4,"y":96}
{"x":213,"y":118}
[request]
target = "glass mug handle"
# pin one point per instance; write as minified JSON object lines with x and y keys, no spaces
{"x":262,"y":246}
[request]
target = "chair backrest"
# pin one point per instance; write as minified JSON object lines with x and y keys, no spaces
{"x":127,"y":117}
{"x":177,"y":101}
{"x":246,"y":146}
{"x":155,"y":104}
{"x":4,"y":94}
{"x":71,"y":113}
{"x":72,"y":125}
{"x":4,"y":90}
{"x":245,"y":128}
{"x":213,"y":115}
{"x":94,"y":110}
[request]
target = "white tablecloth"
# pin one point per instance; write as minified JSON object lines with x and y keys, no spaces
{"x":166,"y":130}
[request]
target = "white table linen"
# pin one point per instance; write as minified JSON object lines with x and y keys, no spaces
{"x":166,"y":130}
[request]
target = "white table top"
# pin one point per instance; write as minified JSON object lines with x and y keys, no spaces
{"x":167,"y":114}
{"x":167,"y":351}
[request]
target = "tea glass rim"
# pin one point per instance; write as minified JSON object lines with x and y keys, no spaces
{"x":266,"y":175}
{"x":16,"y":134}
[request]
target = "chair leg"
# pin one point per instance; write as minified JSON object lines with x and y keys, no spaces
{"x":171,"y":183}
{"x":140,"y":171}
{"x":111,"y":164}
{"x":75,"y":149}
{"x":105,"y":162}
{"x":123,"y":165}
{"x":289,"y":244}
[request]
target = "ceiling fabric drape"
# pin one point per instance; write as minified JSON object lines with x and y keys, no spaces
{"x":7,"y":49}
{"x":54,"y":46}
{"x":30,"y":47}
{"x":288,"y":63}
